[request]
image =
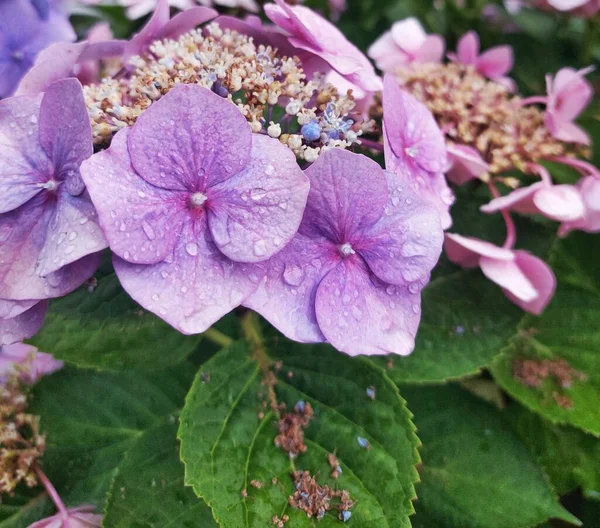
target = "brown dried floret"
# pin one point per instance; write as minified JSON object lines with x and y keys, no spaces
{"x":316,"y":500}
{"x":533,"y":372}
{"x":291,"y":429}
{"x":335,"y":465}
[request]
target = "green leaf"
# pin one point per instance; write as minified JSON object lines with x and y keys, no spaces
{"x":107,"y":330}
{"x":26,"y":507}
{"x":569,"y":456}
{"x":568,"y":330}
{"x":149,"y":490}
{"x":475,"y":471}
{"x":92,"y":419}
{"x":225,"y":445}
{"x":466,"y":319}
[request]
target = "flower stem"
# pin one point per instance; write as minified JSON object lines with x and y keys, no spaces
{"x":542,"y":172}
{"x":367,"y":143}
{"x":218,"y":337}
{"x":51,"y":490}
{"x":511,"y":231}
{"x":582,"y":166}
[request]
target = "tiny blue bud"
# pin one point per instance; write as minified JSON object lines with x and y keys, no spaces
{"x":371,"y":392}
{"x":362,"y":442}
{"x":345,"y":515}
{"x":311,"y":131}
{"x":219,"y":89}
{"x":333,"y":134}
{"x":339,"y":469}
{"x":300,"y":406}
{"x":459,"y":330}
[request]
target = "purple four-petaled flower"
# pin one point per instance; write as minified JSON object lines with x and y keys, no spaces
{"x":190,"y":200}
{"x":49,"y":235}
{"x":354,"y":272}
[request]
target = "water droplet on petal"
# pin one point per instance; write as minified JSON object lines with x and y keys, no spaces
{"x":191,"y":248}
{"x":413,"y":287}
{"x":260,"y":248}
{"x":257,"y":194}
{"x":269,"y":169}
{"x":293,"y":275}
{"x":416,"y":308}
{"x":148,"y":230}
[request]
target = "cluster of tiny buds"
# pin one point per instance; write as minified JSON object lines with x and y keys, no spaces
{"x":21,"y":443}
{"x":483,"y":114}
{"x":307,"y":115}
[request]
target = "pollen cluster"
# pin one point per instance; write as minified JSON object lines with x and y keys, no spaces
{"x":483,"y":114}
{"x":21,"y":443}
{"x":270,"y":90}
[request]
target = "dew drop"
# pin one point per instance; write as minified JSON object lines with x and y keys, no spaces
{"x":260,"y":248}
{"x":269,"y":169}
{"x":148,"y":230}
{"x":293,"y":275}
{"x":413,"y":287}
{"x":72,"y":236}
{"x":257,"y":194}
{"x":192,"y":248}
{"x":416,"y":308}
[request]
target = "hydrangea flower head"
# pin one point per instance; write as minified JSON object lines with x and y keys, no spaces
{"x":27,"y":362}
{"x":494,"y":63}
{"x":189,"y":200}
{"x":79,"y":517}
{"x":414,"y":146}
{"x":49,"y":235}
{"x":24,"y":32}
{"x":568,"y":94}
{"x":525,"y":279}
{"x":404,"y":44}
{"x":353,"y":274}
{"x":310,"y":32}
{"x":20,"y":319}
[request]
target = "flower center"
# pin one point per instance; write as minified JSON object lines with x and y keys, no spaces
{"x":197,"y":199}
{"x":346,"y":250}
{"x":50,"y":185}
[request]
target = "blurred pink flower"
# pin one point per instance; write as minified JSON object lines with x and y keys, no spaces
{"x":525,"y":279}
{"x":465,"y":164}
{"x":568,"y":94}
{"x":580,"y":7}
{"x":405,"y":43}
{"x":27,"y":362}
{"x":80,"y":517}
{"x":589,"y":191}
{"x":494,"y":63}
{"x":311,"y":33}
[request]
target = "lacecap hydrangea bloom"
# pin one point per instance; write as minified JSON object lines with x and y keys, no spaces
{"x":353,"y":274}
{"x":190,"y":200}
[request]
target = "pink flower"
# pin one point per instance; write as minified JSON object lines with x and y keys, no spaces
{"x":465,"y":164}
{"x":586,"y":8}
{"x":562,"y":203}
{"x":526,"y":280}
{"x":405,"y":43}
{"x":568,"y":94}
{"x":414,"y":147}
{"x":322,"y":40}
{"x":20,"y":319}
{"x":589,"y":191}
{"x":79,"y":517}
{"x":494,"y":63}
{"x":190,"y":199}
{"x":353,"y":274}
{"x":25,"y":360}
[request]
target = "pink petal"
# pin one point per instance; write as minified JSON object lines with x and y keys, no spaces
{"x":256,"y":213}
{"x":540,"y":275}
{"x":386,"y":53}
{"x":348,"y":194}
{"x":150,"y":32}
{"x":195,"y":286}
{"x":411,"y":133}
{"x":466,"y":251}
{"x":520,"y":200}
{"x":358,"y":314}
{"x":10,"y":309}
{"x":567,"y":5}
{"x":570,"y":93}
{"x":189,"y":140}
{"x":432,"y":50}
{"x":496,"y":62}
{"x":293,"y":21}
{"x":467,"y":164}
{"x":405,"y":244}
{"x":562,"y":203}
{"x":142,"y":222}
{"x":186,"y":21}
{"x":409,"y":35}
{"x":73,"y":233}
{"x":64,"y":130}
{"x":23,"y":165}
{"x":510,"y":277}
{"x":566,"y":130}
{"x":467,"y":51}
{"x":22,"y":326}
{"x":286,"y":298}
{"x":33,"y":364}
{"x":589,"y":188}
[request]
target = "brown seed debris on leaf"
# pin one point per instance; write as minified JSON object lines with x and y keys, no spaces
{"x":533,"y":372}
{"x":314,"y":499}
{"x":335,"y":465}
{"x":291,"y":429}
